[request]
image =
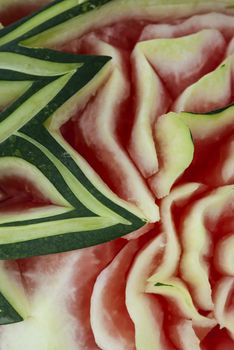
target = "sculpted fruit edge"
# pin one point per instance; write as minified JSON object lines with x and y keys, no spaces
{"x":116,"y":175}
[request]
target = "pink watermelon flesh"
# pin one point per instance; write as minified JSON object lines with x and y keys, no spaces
{"x":109,"y":317}
{"x":92,"y":283}
{"x":76,"y":284}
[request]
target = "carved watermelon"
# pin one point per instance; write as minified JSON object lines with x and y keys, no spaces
{"x":117,"y":119}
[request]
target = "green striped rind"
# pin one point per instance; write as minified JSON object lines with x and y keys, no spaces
{"x":81,"y":214}
{"x":55,"y":78}
{"x":65,"y":18}
{"x":99,"y":13}
{"x":24,"y":136}
{"x":50,"y":16}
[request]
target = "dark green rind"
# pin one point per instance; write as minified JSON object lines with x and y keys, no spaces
{"x":16,"y":146}
{"x":91,"y":66}
{"x":159,"y":284}
{"x":215,"y":111}
{"x":69,"y":215}
{"x":72,"y":241}
{"x":8,"y":314}
{"x":57,"y":56}
{"x":33,"y":155}
{"x":74,"y":11}
{"x":38,"y":85}
{"x":9,"y":75}
{"x":23,"y":20}
{"x":84,"y":74}
{"x":21,"y":148}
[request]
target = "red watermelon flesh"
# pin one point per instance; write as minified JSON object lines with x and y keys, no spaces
{"x":127,"y":133}
{"x":20,"y":194}
{"x":105,"y":297}
{"x":13,"y":11}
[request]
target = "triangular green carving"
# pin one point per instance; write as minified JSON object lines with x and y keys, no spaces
{"x":83,"y":213}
